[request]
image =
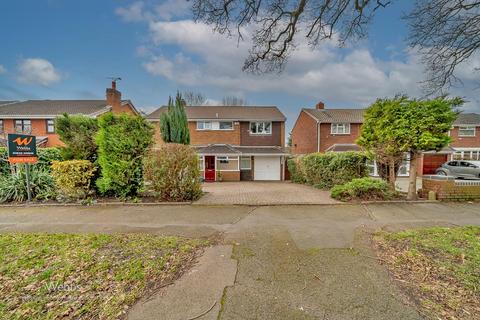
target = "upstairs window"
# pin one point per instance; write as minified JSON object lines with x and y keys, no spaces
{"x":340,"y":128}
{"x":23,"y":126}
{"x":50,"y":126}
{"x":214,"y":125}
{"x":2,"y":128}
{"x":466,"y":131}
{"x":225,"y":125}
{"x":260,"y":128}
{"x":204,"y":125}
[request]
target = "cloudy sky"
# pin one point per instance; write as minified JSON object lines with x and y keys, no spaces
{"x":57,"y":49}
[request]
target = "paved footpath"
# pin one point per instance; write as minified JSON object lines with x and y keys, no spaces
{"x":282,"y":262}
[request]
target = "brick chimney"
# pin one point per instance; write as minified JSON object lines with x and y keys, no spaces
{"x":320,"y":105}
{"x":114,"y":98}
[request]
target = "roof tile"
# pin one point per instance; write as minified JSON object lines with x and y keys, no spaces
{"x":226,"y":113}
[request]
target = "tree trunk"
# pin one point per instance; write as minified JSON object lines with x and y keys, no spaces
{"x":412,"y":183}
{"x":391,"y":172}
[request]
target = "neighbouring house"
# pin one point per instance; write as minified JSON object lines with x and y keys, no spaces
{"x":322,"y":130}
{"x":235,"y":142}
{"x":37,"y":117}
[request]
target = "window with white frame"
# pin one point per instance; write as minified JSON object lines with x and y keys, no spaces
{"x":225,"y":163}
{"x":466,"y":131}
{"x":200,"y":163}
{"x":260,"y":127}
{"x":340,"y":128}
{"x":246,"y":163}
{"x":225,"y":125}
{"x":467,"y":155}
{"x":214,"y":125}
{"x":23,"y":126}
{"x":50,"y":126}
{"x":2,"y":128}
{"x":204,"y":125}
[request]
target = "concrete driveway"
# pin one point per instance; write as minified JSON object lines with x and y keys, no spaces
{"x":262,"y":193}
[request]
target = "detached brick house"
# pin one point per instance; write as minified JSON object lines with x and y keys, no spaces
{"x":336,"y":130}
{"x":235,"y":142}
{"x":37,"y":117}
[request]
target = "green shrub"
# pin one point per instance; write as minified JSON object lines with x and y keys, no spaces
{"x":78,"y":133}
{"x":325,"y":170}
{"x":73,"y":178}
{"x":294,"y":167}
{"x":363,"y":189}
{"x":13,"y":187}
{"x":123,"y":141}
{"x":45,"y":158}
{"x":174,"y":173}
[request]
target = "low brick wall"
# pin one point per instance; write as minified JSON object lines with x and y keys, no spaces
{"x":447,"y":188}
{"x":230,"y":175}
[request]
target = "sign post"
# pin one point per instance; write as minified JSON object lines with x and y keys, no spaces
{"x":22,"y":148}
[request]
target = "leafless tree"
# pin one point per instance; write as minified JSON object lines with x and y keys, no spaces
{"x":277,"y":23}
{"x":194,"y":98}
{"x":233,"y":101}
{"x":447,"y":33}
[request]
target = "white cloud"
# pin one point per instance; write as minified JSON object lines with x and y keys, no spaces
{"x":170,"y":9}
{"x":350,"y":78}
{"x":2,"y":69}
{"x":133,"y":13}
{"x":141,"y":11}
{"x":38,"y":71}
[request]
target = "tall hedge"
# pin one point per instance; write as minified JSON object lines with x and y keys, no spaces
{"x":77,"y":132}
{"x":325,"y":170}
{"x":122,"y":141}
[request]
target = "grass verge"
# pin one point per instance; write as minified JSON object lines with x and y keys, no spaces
{"x":439,"y":267}
{"x":86,"y":276}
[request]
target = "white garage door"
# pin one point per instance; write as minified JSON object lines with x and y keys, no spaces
{"x":266,"y":168}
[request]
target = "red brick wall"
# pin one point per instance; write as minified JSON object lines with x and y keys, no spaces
{"x":277,"y":138}
{"x":304,"y":135}
{"x":328,"y":139}
{"x":230,"y":175}
{"x":447,"y":189}
{"x":39,"y":128}
{"x":465,"y":142}
{"x":203,"y":137}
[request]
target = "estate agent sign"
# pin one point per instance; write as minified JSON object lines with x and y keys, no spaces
{"x":22,"y":148}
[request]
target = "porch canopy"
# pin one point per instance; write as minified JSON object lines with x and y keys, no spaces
{"x":229,"y":150}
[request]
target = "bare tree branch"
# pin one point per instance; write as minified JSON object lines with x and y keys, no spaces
{"x":277,"y":23}
{"x":446,"y":33}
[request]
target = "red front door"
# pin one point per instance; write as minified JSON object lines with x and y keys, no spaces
{"x":209,"y":168}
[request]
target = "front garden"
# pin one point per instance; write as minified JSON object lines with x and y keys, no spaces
{"x":344,"y":174}
{"x":67,"y":276}
{"x":105,"y":159}
{"x":439,"y":268}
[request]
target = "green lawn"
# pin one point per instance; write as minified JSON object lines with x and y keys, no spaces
{"x":439,"y":268}
{"x":87,"y":276}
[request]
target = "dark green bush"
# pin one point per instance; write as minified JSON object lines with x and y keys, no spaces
{"x":294,"y":167}
{"x":325,"y":170}
{"x":13,"y":187}
{"x":123,"y":141}
{"x":363,"y":189}
{"x":78,"y":133}
{"x":174,"y":173}
{"x":45,"y":158}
